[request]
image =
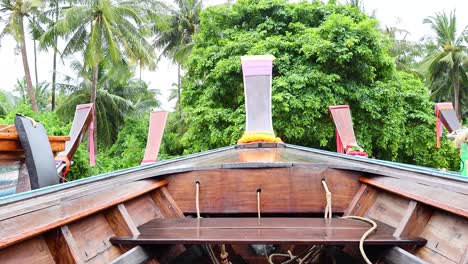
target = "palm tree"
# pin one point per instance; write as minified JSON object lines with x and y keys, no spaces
{"x":445,"y":62}
{"x":117,"y":96}
{"x":41,"y":93}
{"x":102,"y":29}
{"x":405,"y":52}
{"x":46,"y":19}
{"x":174,"y":28}
{"x":14,"y":12}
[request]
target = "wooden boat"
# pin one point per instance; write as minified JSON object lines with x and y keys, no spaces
{"x":248,"y":203}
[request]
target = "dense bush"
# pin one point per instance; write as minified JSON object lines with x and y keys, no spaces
{"x":326,"y":54}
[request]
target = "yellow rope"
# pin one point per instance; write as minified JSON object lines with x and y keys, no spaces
{"x":364,"y":236}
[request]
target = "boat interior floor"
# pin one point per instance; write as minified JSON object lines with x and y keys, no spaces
{"x":316,"y":231}
{"x":203,"y":238}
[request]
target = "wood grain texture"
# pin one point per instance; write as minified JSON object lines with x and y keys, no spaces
{"x":23,"y":226}
{"x":388,"y":209}
{"x":362,"y":201}
{"x":449,"y":201}
{"x":120,"y":221}
{"x":63,"y":246}
{"x":143,"y":209}
{"x":33,"y":250}
{"x":447,"y":238}
{"x":414,"y":220}
{"x":91,"y":236}
{"x":337,"y":231}
{"x":292,"y":190}
{"x":166,"y":204}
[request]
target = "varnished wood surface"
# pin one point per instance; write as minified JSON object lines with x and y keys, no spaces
{"x":20,"y":227}
{"x":267,"y":230}
{"x":283,"y":190}
{"x":453,"y":202}
{"x":11,"y":149}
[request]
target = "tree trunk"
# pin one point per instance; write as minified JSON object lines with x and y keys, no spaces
{"x":54,"y":63}
{"x":456,"y":93}
{"x":35,"y":64}
{"x":27,"y":73}
{"x":93,"y":101}
{"x":178,"y":89}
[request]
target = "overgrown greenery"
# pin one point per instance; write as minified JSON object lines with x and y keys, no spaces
{"x":326,"y":54}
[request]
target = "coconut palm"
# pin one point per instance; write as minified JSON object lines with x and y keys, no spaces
{"x":174,"y":28}
{"x":14,"y":12}
{"x":444,"y":64}
{"x":117,"y":96}
{"x":102,"y":29}
{"x":41,"y":93}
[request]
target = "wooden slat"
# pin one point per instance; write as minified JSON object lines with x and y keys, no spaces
{"x":388,"y":208}
{"x":414,"y":220}
{"x":91,"y":235}
{"x":23,"y":226}
{"x":397,"y":255}
{"x":30,"y":251}
{"x":266,"y":230}
{"x":120,"y":221}
{"x":447,"y":238}
{"x":63,"y":246}
{"x":292,"y":190}
{"x":165,"y":202}
{"x":136,"y":255}
{"x":362,"y":201}
{"x":453,"y":202}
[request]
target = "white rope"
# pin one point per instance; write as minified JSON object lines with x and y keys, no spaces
{"x":364,"y":236}
{"x":258,"y":203}
{"x":197,"y":199}
{"x":328,"y":195}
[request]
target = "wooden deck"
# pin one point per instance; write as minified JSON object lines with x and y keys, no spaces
{"x":337,"y":231}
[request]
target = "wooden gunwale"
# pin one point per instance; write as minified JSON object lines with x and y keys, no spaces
{"x":440,"y":199}
{"x":77,"y":208}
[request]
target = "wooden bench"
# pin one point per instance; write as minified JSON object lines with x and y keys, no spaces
{"x":337,"y":231}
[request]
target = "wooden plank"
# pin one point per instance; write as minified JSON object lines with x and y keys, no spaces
{"x":362,"y":201}
{"x":136,"y":255}
{"x":292,"y":190}
{"x":388,"y":208}
{"x":447,"y":238}
{"x":165,"y":202}
{"x":63,"y":246}
{"x":398,"y":255}
{"x":30,"y":251}
{"x":143,"y":209}
{"x":91,"y":235}
{"x":446,"y":200}
{"x":120,"y":221}
{"x":414,"y":220}
{"x":337,"y":231}
{"x":23,"y":226}
{"x":256,"y":223}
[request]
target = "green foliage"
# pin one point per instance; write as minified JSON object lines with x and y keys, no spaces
{"x":50,"y":120}
{"x":326,"y":54}
{"x":445,"y":63}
